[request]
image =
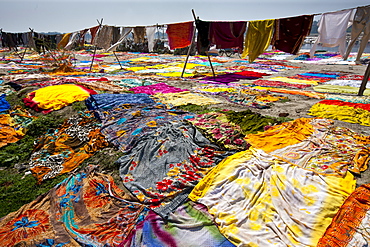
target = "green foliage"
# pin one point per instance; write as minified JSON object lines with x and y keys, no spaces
{"x":17,"y":189}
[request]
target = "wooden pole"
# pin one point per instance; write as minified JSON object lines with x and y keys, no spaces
{"x":92,"y":62}
{"x":117,"y":59}
{"x":364,"y":81}
{"x":192,"y":41}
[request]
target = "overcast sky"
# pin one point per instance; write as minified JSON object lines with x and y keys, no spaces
{"x":73,"y":15}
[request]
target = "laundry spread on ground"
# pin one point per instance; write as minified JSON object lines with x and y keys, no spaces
{"x":223,"y":176}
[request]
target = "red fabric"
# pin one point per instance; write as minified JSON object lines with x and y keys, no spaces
{"x":180,"y":34}
{"x":227,"y":34}
{"x":343,"y":103}
{"x":93,"y":32}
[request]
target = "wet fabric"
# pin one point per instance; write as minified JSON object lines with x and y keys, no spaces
{"x":67,"y":147}
{"x":348,"y":227}
{"x":289,"y":33}
{"x":166,"y":163}
{"x":109,"y":101}
{"x":189,"y":226}
{"x":257,"y":199}
{"x":358,"y":113}
{"x":56,"y":97}
{"x":258,"y":38}
{"x":13,"y":125}
{"x":180,"y":34}
{"x":124,"y":125}
{"x":217,"y":128}
{"x":227,"y":34}
{"x":86,"y":209}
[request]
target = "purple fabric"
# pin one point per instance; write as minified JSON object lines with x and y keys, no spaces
{"x":227,"y":34}
{"x":157,"y":88}
{"x":230,"y":77}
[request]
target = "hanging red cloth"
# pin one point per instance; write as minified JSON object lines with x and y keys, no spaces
{"x":227,"y":34}
{"x":180,"y":34}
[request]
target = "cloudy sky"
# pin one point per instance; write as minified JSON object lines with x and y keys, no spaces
{"x":73,"y":15}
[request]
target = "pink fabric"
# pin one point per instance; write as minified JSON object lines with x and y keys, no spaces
{"x":157,"y":88}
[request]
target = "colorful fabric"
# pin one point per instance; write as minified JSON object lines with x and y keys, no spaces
{"x":86,"y":209}
{"x":289,"y":33}
{"x":124,"y":125}
{"x":257,"y":199}
{"x":166,"y":163}
{"x":66,"y":148}
{"x":157,"y":88}
{"x":216,"y":127}
{"x":272,"y":83}
{"x":227,"y":34}
{"x":348,"y":227}
{"x":13,"y":125}
{"x":340,"y":110}
{"x":180,"y":34}
{"x":109,"y":101}
{"x":252,"y":98}
{"x":315,"y":144}
{"x":189,"y":226}
{"x":258,"y":38}
{"x":338,"y":89}
{"x":56,"y":97}
{"x":184,"y":98}
{"x":4,"y":104}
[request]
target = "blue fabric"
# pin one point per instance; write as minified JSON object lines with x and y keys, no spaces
{"x":109,"y":101}
{"x":4,"y":104}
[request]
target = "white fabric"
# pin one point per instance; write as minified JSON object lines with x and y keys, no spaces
{"x":73,"y":39}
{"x":150,"y":35}
{"x":332,"y":30}
{"x":124,"y":32}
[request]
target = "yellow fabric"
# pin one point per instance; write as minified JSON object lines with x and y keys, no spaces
{"x":290,"y":80}
{"x":282,"y":135}
{"x":59,"y":96}
{"x":175,"y":74}
{"x":343,"y":113}
{"x":64,"y":41}
{"x":339,"y":89}
{"x":258,"y":200}
{"x":184,"y":98}
{"x":258,"y":38}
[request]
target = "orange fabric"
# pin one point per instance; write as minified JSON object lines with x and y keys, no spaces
{"x":180,"y":34}
{"x":348,"y":219}
{"x":282,"y":135}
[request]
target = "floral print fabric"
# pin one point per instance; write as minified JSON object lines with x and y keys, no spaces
{"x":67,"y":147}
{"x":86,"y":209}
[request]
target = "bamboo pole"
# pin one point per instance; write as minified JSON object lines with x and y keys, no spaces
{"x":92,"y":61}
{"x":364,"y":81}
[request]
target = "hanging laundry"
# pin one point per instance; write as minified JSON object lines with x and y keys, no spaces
{"x":64,"y":41}
{"x":93,"y":31}
{"x":104,"y":37}
{"x":332,"y":29}
{"x":203,"y":42}
{"x":73,"y":40}
{"x":124,"y":32}
{"x":258,"y":38}
{"x":227,"y":34}
{"x":139,"y":34}
{"x":150,"y":35}
{"x":361,"y":24}
{"x":180,"y":34}
{"x":290,"y":33}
